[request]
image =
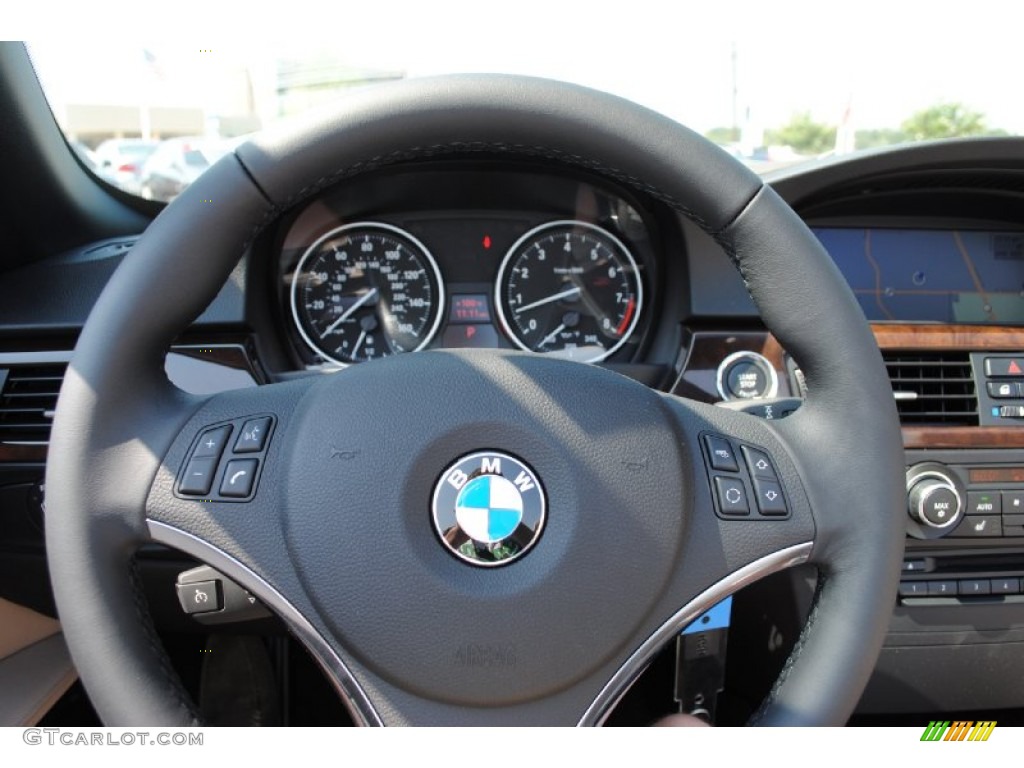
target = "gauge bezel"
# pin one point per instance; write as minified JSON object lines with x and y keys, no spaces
{"x":510,"y":330}
{"x":379,"y":225}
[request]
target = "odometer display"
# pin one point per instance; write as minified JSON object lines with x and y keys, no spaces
{"x":366,"y":290}
{"x":569,"y":288}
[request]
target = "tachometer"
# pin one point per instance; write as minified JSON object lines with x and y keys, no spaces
{"x":367,"y":290}
{"x":569,"y":288}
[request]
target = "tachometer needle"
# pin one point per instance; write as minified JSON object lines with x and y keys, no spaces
{"x":348,"y":312}
{"x":548,"y":299}
{"x":358,"y":344}
{"x":551,"y":336}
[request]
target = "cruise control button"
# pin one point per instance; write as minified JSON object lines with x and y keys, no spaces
{"x":238,"y":477}
{"x":759,"y":463}
{"x":770,"y":500}
{"x":198,"y":477}
{"x":979,"y":526}
{"x":732,"y":496}
{"x":212,"y":442}
{"x":721,"y":454}
{"x":200,"y":597}
{"x":983,"y":503}
{"x":253,"y":435}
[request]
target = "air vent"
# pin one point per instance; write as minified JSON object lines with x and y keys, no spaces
{"x":28,"y":395}
{"x":933,"y":388}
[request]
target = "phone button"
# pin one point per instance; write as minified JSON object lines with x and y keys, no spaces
{"x":239,"y":475}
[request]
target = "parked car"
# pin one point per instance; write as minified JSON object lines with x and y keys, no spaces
{"x":176,"y":164}
{"x":120,"y":161}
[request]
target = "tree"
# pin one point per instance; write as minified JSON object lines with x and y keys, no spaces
{"x":804,"y":135}
{"x":879,"y":137}
{"x":945,"y":121}
{"x":723,"y":135}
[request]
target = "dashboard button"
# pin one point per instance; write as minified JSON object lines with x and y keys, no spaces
{"x":913,"y":588}
{"x":984,"y":503}
{"x":1002,"y":367}
{"x":1002,"y":389}
{"x":212,"y":442}
{"x":1008,"y":585}
{"x":942,"y":588}
{"x":978,"y":527}
{"x":1011,"y":411}
{"x":1013,"y":502}
{"x":732,"y":496}
{"x":972,"y":587}
{"x":198,"y":477}
{"x":720,"y":453}
{"x":238,"y":478}
{"x":253,"y":436}
{"x":746,"y":380}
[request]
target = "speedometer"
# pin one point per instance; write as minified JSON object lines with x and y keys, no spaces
{"x":569,"y":288}
{"x":366,"y":290}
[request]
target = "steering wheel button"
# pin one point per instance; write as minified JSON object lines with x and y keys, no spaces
{"x":199,"y":597}
{"x":239,"y":476}
{"x":770,"y":501}
{"x":198,"y":477}
{"x":720,"y":453}
{"x":759,"y":463}
{"x":253,"y":436}
{"x":211,"y":442}
{"x":732,"y":496}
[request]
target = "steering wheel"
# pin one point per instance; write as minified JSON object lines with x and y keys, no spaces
{"x":337,"y":534}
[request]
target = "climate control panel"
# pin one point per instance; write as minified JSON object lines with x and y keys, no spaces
{"x":965,"y":501}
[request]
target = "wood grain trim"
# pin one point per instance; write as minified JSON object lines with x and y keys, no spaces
{"x":963,"y":437}
{"x":967,"y":337}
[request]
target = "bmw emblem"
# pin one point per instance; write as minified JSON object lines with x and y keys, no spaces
{"x":488,"y":508}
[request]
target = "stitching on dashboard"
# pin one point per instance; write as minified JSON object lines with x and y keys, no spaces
{"x":170,"y":677}
{"x":436,"y":150}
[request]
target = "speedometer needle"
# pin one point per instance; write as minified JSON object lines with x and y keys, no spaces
{"x":359,"y":343}
{"x":551,"y":336}
{"x":348,"y":312}
{"x":548,"y":299}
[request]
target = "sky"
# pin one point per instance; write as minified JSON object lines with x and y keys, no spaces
{"x":880,"y":60}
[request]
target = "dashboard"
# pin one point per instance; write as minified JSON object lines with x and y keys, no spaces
{"x":549,"y":259}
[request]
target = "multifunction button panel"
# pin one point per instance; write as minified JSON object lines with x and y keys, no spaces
{"x":225,"y":460}
{"x":745,"y":485}
{"x":1000,"y":388}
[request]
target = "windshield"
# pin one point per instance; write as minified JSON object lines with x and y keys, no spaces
{"x":773,"y":84}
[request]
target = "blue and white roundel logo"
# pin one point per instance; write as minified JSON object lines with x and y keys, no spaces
{"x":488,"y":508}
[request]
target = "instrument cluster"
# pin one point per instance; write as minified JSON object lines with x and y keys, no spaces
{"x":449,"y":259}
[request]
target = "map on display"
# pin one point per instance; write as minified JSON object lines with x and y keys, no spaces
{"x":946,"y":276}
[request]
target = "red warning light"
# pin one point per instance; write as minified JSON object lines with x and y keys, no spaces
{"x":487,"y":242}
{"x":1014,"y":368}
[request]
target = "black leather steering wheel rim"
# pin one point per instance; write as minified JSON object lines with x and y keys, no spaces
{"x":120,"y":426}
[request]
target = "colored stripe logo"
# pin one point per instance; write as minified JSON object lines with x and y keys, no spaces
{"x":958,"y":730}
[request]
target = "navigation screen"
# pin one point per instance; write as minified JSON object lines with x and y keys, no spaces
{"x":918,"y":275}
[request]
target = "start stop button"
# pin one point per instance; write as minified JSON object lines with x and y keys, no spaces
{"x":746,"y":376}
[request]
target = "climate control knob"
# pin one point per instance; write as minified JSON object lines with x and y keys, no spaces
{"x":934,"y":501}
